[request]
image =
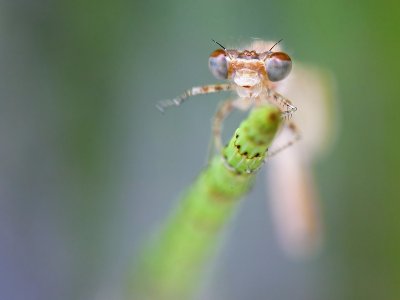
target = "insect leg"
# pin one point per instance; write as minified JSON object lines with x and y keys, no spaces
{"x":197,"y":90}
{"x":295,"y":137}
{"x":284,"y":104}
{"x":223,"y":111}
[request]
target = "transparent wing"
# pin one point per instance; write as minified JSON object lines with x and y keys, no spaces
{"x":293,"y":193}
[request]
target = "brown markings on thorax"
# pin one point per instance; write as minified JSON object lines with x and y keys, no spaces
{"x":246,"y":54}
{"x":255,"y":65}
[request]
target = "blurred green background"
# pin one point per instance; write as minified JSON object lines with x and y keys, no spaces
{"x":88,"y":166}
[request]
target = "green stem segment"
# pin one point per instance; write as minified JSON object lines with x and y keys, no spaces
{"x":171,"y":267}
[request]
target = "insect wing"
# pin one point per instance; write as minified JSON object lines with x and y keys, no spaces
{"x":293,"y":193}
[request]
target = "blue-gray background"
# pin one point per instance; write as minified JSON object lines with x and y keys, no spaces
{"x":88,"y":167}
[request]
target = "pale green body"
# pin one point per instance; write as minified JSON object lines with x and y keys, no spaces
{"x":170,"y":267}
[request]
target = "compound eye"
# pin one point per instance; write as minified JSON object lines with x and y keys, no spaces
{"x":218,"y":64}
{"x":278,"y":66}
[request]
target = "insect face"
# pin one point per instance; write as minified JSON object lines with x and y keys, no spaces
{"x":249,"y":70}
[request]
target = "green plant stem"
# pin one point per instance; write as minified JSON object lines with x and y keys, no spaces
{"x":171,"y":266}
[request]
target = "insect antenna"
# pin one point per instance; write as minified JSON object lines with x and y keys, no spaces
{"x":218,"y":44}
{"x":275,"y":44}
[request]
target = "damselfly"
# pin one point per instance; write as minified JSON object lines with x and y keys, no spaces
{"x":255,"y":74}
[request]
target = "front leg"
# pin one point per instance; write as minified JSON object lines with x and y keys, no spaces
{"x":197,"y":90}
{"x":283,"y":103}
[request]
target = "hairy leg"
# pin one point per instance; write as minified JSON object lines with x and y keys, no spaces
{"x":282,"y":102}
{"x":197,"y":90}
{"x":222,"y":113}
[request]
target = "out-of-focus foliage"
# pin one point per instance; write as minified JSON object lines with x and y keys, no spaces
{"x":88,"y":167}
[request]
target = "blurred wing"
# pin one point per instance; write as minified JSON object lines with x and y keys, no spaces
{"x":294,"y":202}
{"x":290,"y":182}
